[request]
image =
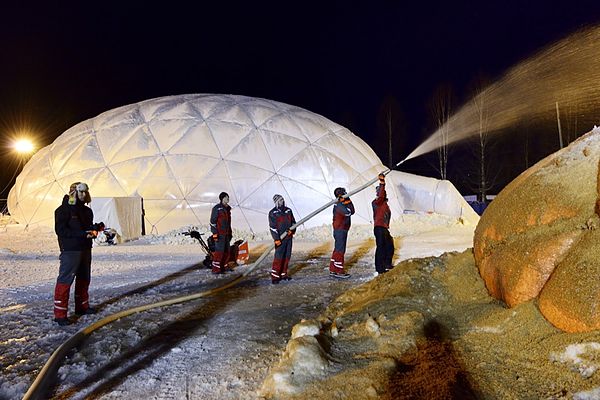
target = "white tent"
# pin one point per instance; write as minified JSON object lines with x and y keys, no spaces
{"x":421,"y":194}
{"x":123,"y":214}
{"x":179,"y":152}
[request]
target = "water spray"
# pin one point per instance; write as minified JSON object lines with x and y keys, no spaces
{"x":566,"y":73}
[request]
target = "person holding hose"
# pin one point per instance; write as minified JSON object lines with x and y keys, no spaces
{"x":220,"y":226}
{"x":381,"y":221}
{"x":281,"y":218}
{"x":342,"y":211}
{"x":74,"y":227}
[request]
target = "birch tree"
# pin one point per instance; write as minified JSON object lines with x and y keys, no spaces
{"x":483,"y":143}
{"x":391,"y":125}
{"x":440,"y":107}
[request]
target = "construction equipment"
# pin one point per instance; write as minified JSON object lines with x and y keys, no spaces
{"x":208,"y":248}
{"x":238,"y":251}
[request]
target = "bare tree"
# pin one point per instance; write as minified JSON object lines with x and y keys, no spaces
{"x":567,"y":121}
{"x":482,"y":140}
{"x":570,"y":113}
{"x":390,"y":122}
{"x":526,"y":128}
{"x":440,"y":107}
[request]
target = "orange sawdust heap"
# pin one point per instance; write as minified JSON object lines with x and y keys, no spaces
{"x":538,"y":238}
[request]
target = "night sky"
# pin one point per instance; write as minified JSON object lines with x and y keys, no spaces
{"x":64,"y":64}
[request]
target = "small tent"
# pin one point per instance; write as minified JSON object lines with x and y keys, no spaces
{"x":123,"y":214}
{"x":416,"y":193}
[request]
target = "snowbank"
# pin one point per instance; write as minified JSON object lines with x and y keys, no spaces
{"x":212,"y":342}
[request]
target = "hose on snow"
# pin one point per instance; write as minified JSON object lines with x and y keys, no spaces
{"x":41,"y":382}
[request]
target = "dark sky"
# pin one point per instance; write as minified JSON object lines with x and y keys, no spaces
{"x":64,"y":64}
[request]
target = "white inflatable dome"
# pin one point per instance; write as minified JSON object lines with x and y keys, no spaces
{"x":179,"y":152}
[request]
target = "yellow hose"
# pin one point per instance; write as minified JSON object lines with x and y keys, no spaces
{"x":36,"y":390}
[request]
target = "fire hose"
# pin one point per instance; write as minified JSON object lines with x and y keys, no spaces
{"x":40,"y":384}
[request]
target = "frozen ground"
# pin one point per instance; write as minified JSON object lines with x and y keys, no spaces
{"x":217,"y":347}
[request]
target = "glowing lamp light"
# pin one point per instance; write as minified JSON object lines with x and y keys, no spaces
{"x":23,"y":146}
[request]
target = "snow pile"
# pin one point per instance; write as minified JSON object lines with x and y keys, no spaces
{"x":372,"y":327}
{"x":19,"y":239}
{"x":304,"y":359}
{"x":218,"y":339}
{"x":306,"y":328}
{"x":311,"y":361}
{"x":177,"y":236}
{"x":581,"y":357}
{"x":407,"y":224}
{"x":593,"y":394}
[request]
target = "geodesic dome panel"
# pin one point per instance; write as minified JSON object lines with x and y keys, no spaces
{"x":179,"y":152}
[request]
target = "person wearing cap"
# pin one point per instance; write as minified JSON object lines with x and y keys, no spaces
{"x":220,"y":226}
{"x":73,"y":224}
{"x":342,"y":211}
{"x":384,"y":251}
{"x":281,"y":218}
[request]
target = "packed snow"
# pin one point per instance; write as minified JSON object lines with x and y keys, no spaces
{"x":581,"y":357}
{"x":257,"y":340}
{"x":202,"y":347}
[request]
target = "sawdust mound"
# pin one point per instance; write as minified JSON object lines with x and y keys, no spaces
{"x":538,"y":238}
{"x":428,"y":329}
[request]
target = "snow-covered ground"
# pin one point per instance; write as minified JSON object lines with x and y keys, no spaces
{"x":216,"y":347}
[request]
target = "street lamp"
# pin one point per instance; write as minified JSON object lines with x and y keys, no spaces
{"x":23,"y":147}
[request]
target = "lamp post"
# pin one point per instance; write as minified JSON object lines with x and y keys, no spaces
{"x":23,"y":148}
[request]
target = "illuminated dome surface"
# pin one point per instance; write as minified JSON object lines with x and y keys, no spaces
{"x":179,"y":152}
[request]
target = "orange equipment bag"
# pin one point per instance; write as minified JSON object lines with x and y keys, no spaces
{"x":239,"y":252}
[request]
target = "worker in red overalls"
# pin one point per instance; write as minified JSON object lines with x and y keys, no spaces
{"x":281,"y":218}
{"x":342,"y":210}
{"x":220,"y":226}
{"x":73,"y":224}
{"x":381,"y":221}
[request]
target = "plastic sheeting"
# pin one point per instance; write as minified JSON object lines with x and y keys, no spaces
{"x":123,"y":214}
{"x":179,"y":152}
{"x":421,"y":194}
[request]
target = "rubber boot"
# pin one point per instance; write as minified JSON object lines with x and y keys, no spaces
{"x":284,"y":269}
{"x":61,"y":301}
{"x":276,"y":270}
{"x":81,"y":296}
{"x":336,"y":265}
{"x":216,"y":262}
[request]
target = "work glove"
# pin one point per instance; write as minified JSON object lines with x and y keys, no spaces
{"x":99,"y":226}
{"x":195,"y":235}
{"x":215,"y":237}
{"x":381,"y":179}
{"x":277,"y":243}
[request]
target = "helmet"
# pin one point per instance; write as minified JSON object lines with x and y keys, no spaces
{"x":339,"y":192}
